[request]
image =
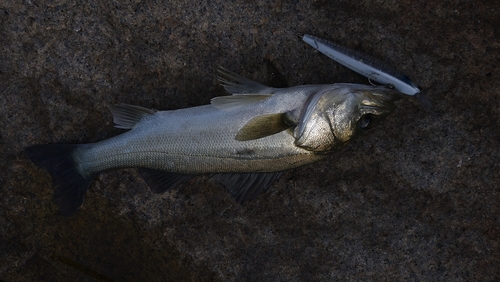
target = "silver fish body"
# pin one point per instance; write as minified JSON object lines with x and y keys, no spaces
{"x":246,"y":139}
{"x":202,"y":140}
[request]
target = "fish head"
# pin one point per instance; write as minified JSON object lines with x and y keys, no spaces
{"x":337,"y":114}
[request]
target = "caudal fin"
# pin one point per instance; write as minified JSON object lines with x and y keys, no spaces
{"x":70,"y":186}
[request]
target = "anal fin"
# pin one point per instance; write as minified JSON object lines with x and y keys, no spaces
{"x":246,"y":186}
{"x":161,"y":181}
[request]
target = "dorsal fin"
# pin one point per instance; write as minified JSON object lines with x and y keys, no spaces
{"x":237,"y":100}
{"x":237,"y":84}
{"x":127,"y":116}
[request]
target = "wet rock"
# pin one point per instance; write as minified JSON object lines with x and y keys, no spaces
{"x":416,"y":199}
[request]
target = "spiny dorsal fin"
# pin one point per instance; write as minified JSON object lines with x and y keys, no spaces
{"x":127,"y":116}
{"x":237,"y":84}
{"x":237,"y":100}
{"x":262,"y":126}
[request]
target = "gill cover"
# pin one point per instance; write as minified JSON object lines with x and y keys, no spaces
{"x":314,"y":131}
{"x":335,"y":115}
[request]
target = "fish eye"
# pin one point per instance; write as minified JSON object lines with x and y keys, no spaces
{"x":366,"y":121}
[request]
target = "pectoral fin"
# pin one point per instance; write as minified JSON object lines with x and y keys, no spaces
{"x":246,"y":186}
{"x":264,"y":125}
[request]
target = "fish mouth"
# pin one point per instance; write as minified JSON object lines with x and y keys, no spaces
{"x":380,"y":98}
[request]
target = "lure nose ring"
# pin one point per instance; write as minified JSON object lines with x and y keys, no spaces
{"x":369,"y":80}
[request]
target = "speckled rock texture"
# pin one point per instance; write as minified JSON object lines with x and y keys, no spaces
{"x":416,"y":199}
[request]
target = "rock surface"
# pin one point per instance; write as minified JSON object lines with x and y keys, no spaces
{"x":416,"y":199}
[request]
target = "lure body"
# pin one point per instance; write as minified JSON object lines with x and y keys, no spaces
{"x":364,"y":65}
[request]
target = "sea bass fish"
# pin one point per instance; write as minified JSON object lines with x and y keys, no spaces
{"x":245,"y":140}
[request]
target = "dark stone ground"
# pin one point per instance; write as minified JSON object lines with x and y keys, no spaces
{"x":416,"y":199}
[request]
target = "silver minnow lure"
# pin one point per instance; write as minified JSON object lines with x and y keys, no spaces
{"x":363,"y":64}
{"x":244,"y":140}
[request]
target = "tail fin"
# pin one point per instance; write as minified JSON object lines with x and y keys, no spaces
{"x":70,"y":185}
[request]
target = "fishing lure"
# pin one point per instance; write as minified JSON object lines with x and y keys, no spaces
{"x":363,"y":64}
